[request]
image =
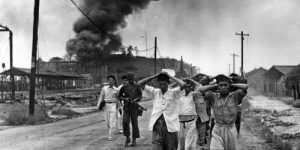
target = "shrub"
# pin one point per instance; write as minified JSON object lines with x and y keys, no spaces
{"x":297,"y":104}
{"x":18,"y":114}
{"x":282,"y":145}
{"x":64,"y":111}
{"x":287,"y":100}
{"x":246,"y":104}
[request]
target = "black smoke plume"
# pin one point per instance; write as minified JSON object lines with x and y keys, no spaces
{"x":92,"y":44}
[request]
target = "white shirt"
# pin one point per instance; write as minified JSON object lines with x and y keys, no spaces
{"x":119,"y":87}
{"x":187,"y":104}
{"x":108,"y":94}
{"x":164,"y":104}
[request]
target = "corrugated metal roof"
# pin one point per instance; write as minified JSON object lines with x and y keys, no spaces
{"x":26,"y":72}
{"x":255,"y":70}
{"x":284,"y":69}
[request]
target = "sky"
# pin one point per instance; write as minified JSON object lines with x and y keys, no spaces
{"x":203,"y":32}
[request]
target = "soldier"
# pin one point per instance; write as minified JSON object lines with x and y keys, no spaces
{"x":130,"y":93}
{"x":120,"y":113}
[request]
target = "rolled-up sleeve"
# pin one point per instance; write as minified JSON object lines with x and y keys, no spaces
{"x":101,"y":97}
{"x":176,"y":92}
{"x":239,"y":95}
{"x":209,"y":98}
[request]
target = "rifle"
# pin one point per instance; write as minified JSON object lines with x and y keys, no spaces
{"x":133,"y":102}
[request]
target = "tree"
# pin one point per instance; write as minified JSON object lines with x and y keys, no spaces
{"x":129,"y":51}
{"x":56,"y":59}
{"x":123,"y":50}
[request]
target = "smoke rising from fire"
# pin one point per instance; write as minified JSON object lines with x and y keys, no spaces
{"x":92,"y":44}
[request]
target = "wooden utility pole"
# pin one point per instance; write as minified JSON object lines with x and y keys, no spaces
{"x":242,"y":50}
{"x":155,"y":49}
{"x":181,"y":67}
{"x":233,"y":55}
{"x":33,"y":59}
{"x":191,"y":69}
{"x":11,"y":66}
{"x":146,"y":42}
{"x":3,"y":66}
{"x":228,"y":69}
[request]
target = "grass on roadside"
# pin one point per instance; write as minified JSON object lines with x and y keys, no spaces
{"x":18,"y":114}
{"x":287,"y":100}
{"x":297,"y":104}
{"x":246,"y":104}
{"x":64,"y":111}
{"x":282,"y":145}
{"x":290,"y":101}
{"x":276,"y":142}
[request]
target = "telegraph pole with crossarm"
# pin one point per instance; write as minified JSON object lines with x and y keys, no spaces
{"x":242,"y":34}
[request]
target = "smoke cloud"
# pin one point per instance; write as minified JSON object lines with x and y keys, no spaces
{"x":91,"y":44}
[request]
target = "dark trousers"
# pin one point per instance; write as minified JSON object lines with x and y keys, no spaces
{"x":212,"y":124}
{"x":238,"y":121}
{"x":202,"y":132}
{"x":131,"y":115}
{"x":161,"y":138}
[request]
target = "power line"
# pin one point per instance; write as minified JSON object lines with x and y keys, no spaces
{"x":106,"y":34}
{"x":96,"y":24}
{"x":73,"y":11}
{"x":242,"y":34}
{"x":146,"y":50}
{"x":159,"y":52}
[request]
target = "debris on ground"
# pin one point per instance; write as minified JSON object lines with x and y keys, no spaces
{"x":59,"y":106}
{"x":281,"y":121}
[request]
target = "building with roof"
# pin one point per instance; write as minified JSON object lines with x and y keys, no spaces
{"x":293,"y":82}
{"x":255,"y":79}
{"x":274,"y":80}
{"x":46,"y":79}
{"x":75,"y":67}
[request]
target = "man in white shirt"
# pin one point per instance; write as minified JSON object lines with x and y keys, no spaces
{"x":109,"y":95}
{"x":164,"y":122}
{"x":192,"y":110}
{"x":190,"y":107}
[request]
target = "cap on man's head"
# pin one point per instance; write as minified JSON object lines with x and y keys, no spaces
{"x":222,"y":77}
{"x":163,"y":77}
{"x":233,"y":75}
{"x":123,"y":77}
{"x":205,"y":80}
{"x":130,"y":75}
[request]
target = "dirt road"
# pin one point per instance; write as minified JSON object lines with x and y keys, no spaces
{"x":90,"y":133}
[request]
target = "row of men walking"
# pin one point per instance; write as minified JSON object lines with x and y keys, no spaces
{"x":181,"y":111}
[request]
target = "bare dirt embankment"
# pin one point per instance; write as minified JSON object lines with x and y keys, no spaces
{"x":280,"y":122}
